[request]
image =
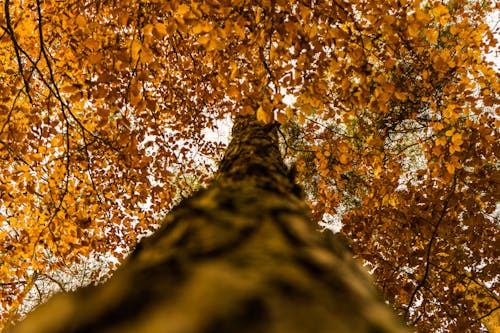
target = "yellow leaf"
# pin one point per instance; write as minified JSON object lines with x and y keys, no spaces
{"x":431,"y":36}
{"x":247,"y":110}
{"x":171,"y":28}
{"x":182,"y":10}
{"x":301,"y":118}
{"x":95,"y":58}
{"x":91,"y":44}
{"x":344,"y":158}
{"x":263,"y":115}
{"x":135,"y":48}
{"x":307,"y":109}
{"x":81,"y":21}
{"x":441,"y":13}
{"x":459,"y":288}
{"x":414,"y":30}
{"x":441,"y":141}
{"x":422,"y":16}
{"x":454,"y":148}
{"x":281,"y":117}
{"x":160,"y":29}
{"x":439,"y":10}
{"x":147,"y":55}
{"x":135,"y":98}
{"x":70,"y":89}
{"x":457,"y":139}
{"x":258,"y":15}
{"x":401,"y":96}
{"x":238,"y":31}
{"x":437,"y":151}
{"x":56,"y":141}
{"x":204,"y":39}
{"x":24,"y":168}
{"x":234,"y":70}
{"x":234,"y":92}
{"x":215,"y":44}
{"x":437,"y":126}
{"x":123,"y":19}
{"x":377,"y":171}
{"x":450,"y":167}
{"x":202,"y":27}
{"x":148,"y":29}
{"x":313,"y":31}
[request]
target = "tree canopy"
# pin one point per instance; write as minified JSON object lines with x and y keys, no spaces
{"x":389,"y":113}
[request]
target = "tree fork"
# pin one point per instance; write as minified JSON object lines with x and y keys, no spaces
{"x":239,"y":256}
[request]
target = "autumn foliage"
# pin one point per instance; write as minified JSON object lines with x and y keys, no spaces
{"x":389,"y":111}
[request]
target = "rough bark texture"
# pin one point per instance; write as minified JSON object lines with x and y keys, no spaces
{"x":240,"y":256}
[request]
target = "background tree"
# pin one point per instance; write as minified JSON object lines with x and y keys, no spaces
{"x":393,"y":116}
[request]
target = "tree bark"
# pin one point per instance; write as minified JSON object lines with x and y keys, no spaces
{"x":239,"y":256}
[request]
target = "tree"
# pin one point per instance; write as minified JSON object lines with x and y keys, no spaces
{"x":393,"y":116}
{"x":238,"y":256}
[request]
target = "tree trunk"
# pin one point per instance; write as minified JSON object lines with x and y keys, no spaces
{"x":240,"y":256}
